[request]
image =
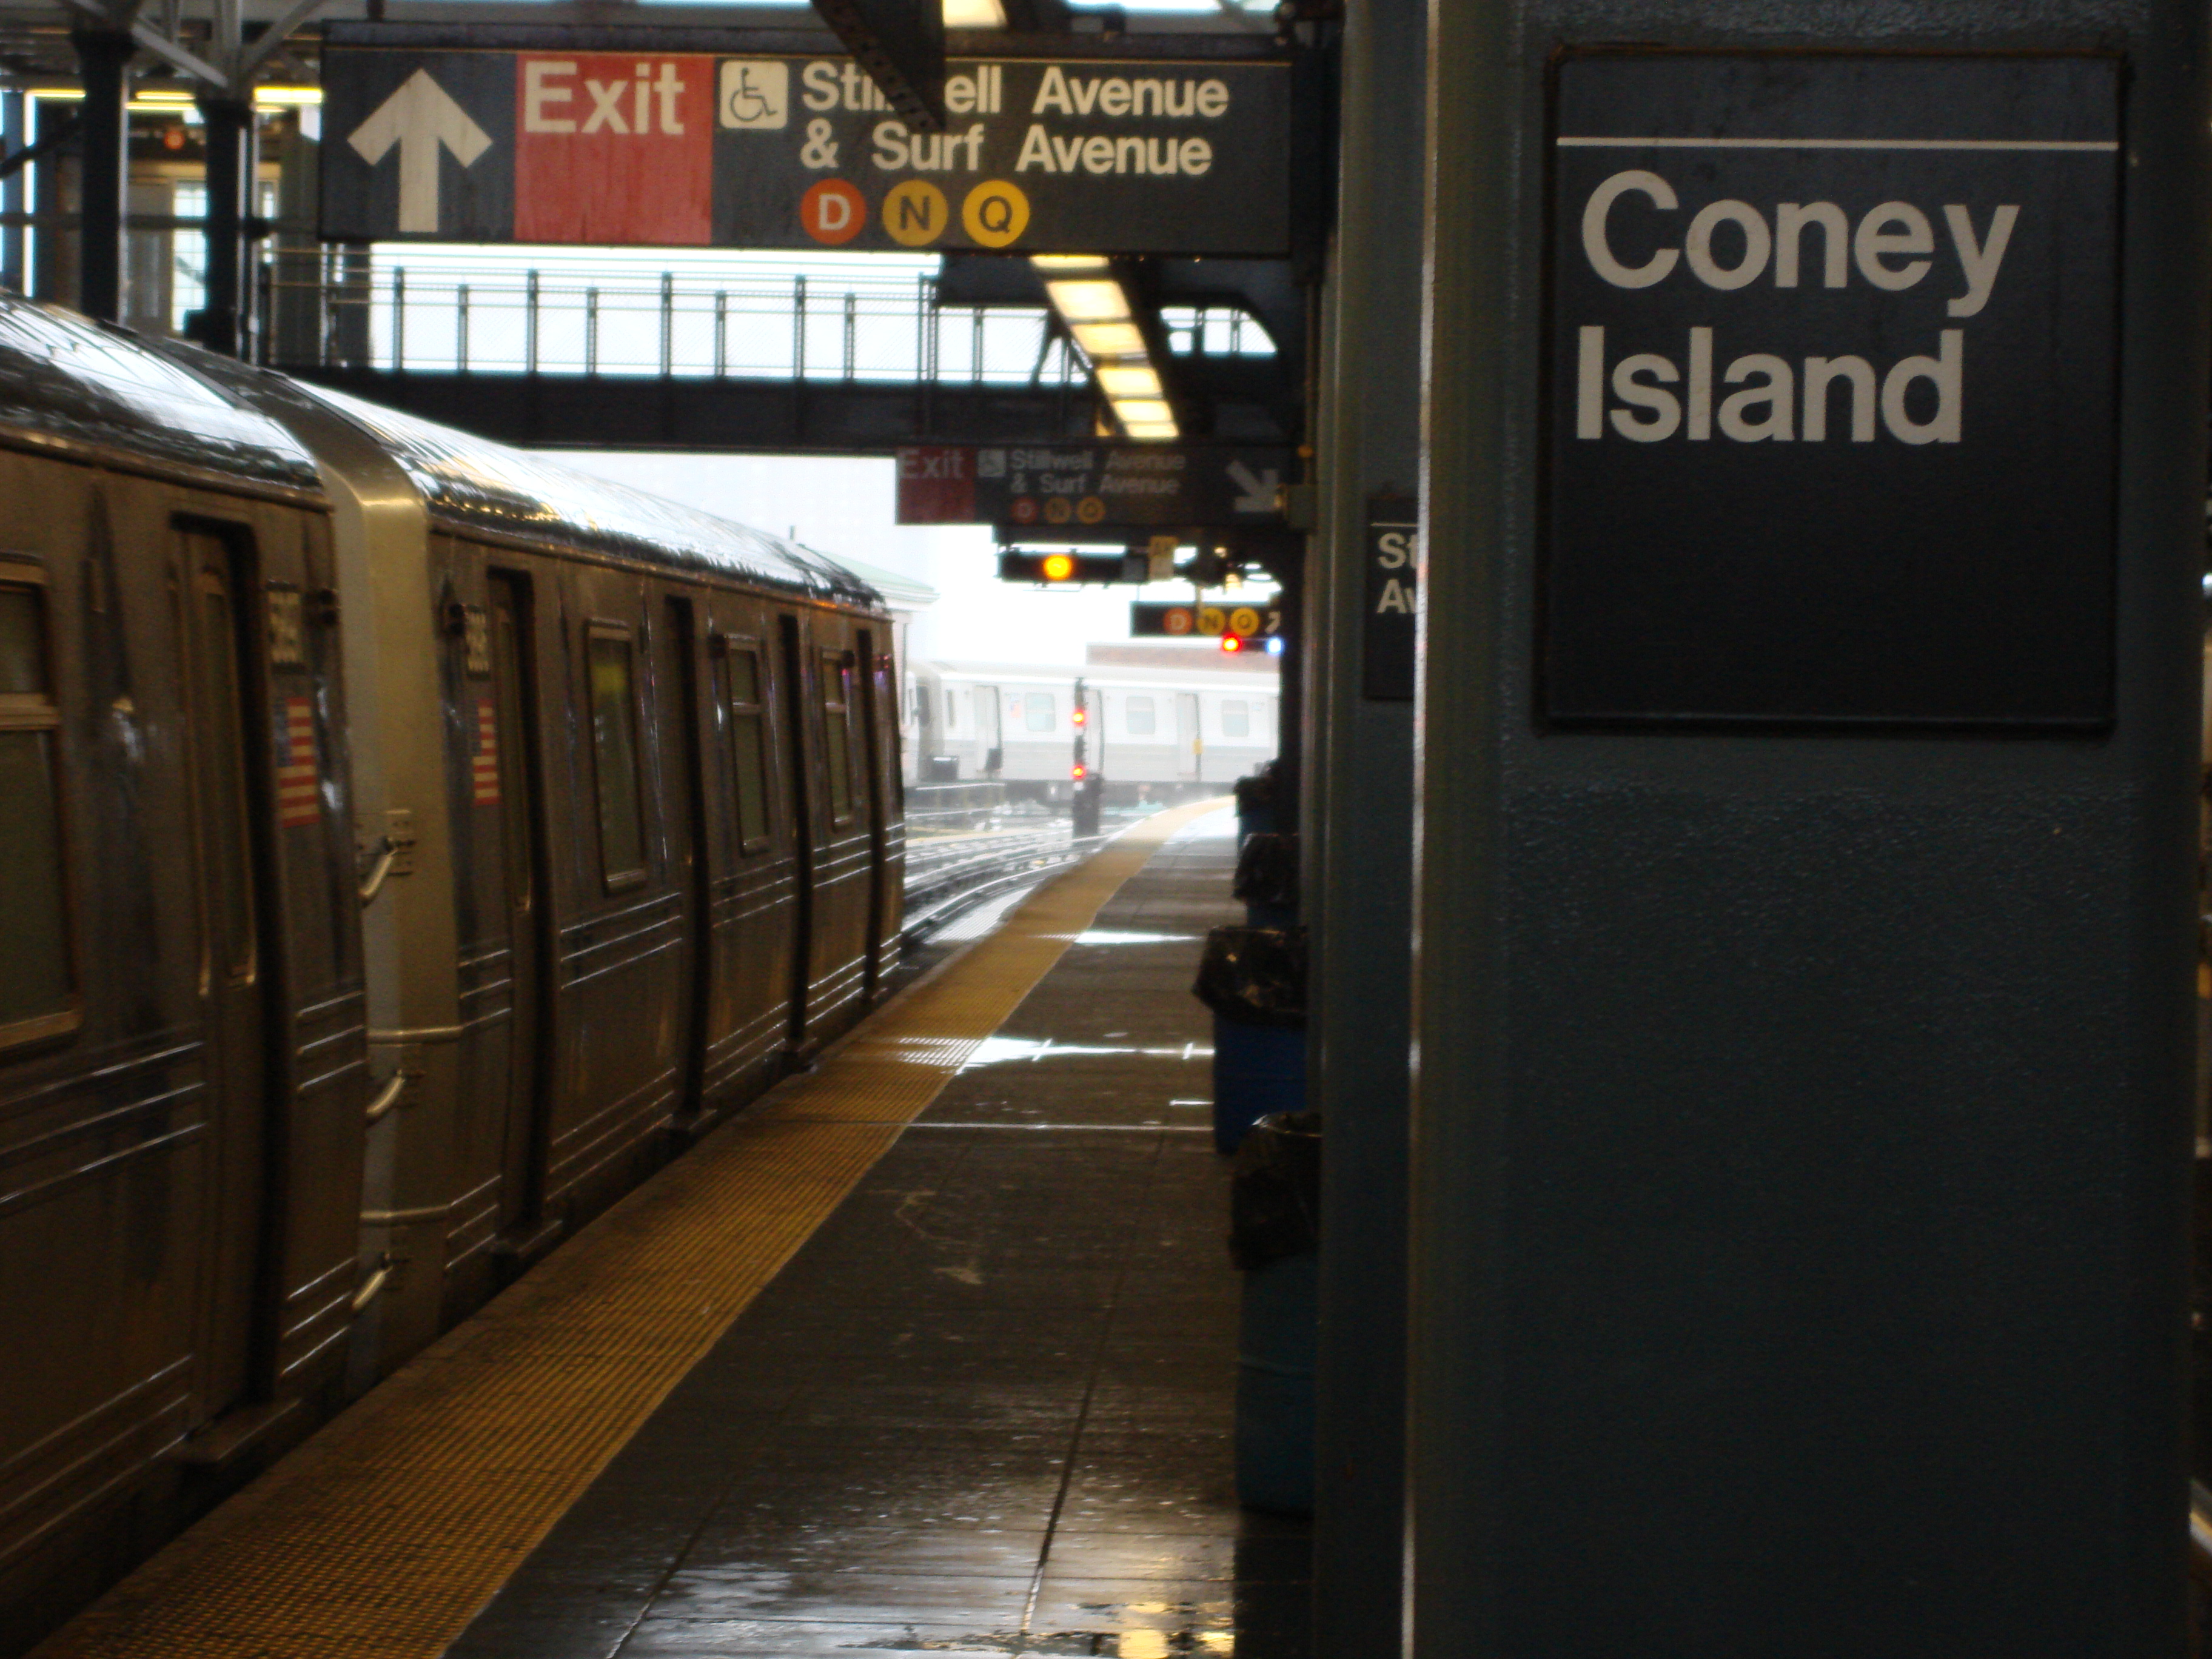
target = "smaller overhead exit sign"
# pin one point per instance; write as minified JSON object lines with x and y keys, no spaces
{"x":1098,"y":485}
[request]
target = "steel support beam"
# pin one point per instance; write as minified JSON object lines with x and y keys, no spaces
{"x":1803,"y":1114}
{"x":227,"y":322}
{"x":650,"y":412}
{"x":1357,"y":841}
{"x":103,"y":59}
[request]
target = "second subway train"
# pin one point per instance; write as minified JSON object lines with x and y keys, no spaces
{"x":1158,"y":732}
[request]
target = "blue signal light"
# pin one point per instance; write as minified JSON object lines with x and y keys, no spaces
{"x":1275,"y":647}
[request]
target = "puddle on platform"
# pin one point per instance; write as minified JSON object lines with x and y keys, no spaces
{"x":1080,"y":1644}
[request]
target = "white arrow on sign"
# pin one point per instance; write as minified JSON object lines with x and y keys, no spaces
{"x":1259,"y":493}
{"x":419,"y":118}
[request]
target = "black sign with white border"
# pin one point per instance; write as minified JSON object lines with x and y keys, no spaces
{"x":1831,"y":391}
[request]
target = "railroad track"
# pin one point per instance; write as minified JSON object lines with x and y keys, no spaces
{"x":943,"y":878}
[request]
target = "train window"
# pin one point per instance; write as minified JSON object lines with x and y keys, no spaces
{"x":38,"y":983}
{"x":837,"y":733}
{"x":749,"y":746}
{"x":1236,"y":719}
{"x":1037,"y":711}
{"x":1142,"y":721}
{"x":614,"y":753}
{"x":229,"y":822}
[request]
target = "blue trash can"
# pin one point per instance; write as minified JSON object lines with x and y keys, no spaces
{"x":1257,"y":1069}
{"x":1275,"y":1345}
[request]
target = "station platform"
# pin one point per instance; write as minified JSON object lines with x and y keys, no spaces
{"x":931,"y":1350}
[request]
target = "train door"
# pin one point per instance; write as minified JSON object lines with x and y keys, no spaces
{"x":234,"y":966}
{"x":805,"y":814}
{"x":755,"y":902}
{"x":986,"y":730}
{"x":876,"y":724}
{"x":1188,"y":745}
{"x":514,"y":785}
{"x":683,"y":761}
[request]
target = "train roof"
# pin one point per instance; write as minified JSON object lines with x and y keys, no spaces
{"x":62,"y":376}
{"x":476,"y":483}
{"x":488,"y":486}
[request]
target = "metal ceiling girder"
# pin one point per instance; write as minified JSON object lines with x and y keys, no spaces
{"x":901,"y":43}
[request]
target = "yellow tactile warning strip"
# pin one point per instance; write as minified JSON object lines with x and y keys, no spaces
{"x":386,"y":1533}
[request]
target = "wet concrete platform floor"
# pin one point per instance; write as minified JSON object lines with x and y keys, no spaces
{"x":987,"y":1410}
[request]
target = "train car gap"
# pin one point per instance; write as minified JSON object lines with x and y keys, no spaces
{"x":802,"y":818}
{"x":234,"y":970}
{"x":521,"y":828}
{"x":688,"y":851}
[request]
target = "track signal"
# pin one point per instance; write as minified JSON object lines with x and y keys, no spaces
{"x":1073,"y":569}
{"x":1232,"y":643}
{"x":1079,"y":771}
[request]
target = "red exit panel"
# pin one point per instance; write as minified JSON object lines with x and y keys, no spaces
{"x":936,"y":484}
{"x":614,"y":147}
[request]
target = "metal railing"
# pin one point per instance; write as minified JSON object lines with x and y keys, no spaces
{"x":340,"y":307}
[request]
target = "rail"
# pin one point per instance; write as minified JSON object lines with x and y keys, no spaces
{"x":944,"y":880}
{"x":341,"y":308}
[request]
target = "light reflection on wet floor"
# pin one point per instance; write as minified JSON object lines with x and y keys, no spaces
{"x":987,"y":1410}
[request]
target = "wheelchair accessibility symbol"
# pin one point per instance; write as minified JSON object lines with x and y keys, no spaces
{"x":756,"y":94}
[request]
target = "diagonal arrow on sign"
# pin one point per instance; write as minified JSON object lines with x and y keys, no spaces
{"x":419,"y":118}
{"x":1257,"y":493}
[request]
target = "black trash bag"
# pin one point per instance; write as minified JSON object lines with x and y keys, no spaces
{"x":1267,"y":870}
{"x":1255,"y":792}
{"x":1255,"y":975}
{"x":1275,"y":1194}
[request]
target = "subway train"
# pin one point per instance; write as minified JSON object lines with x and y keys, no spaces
{"x":1158,"y":732}
{"x":405,"y":845}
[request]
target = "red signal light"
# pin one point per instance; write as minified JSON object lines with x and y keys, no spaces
{"x":1082,"y":717}
{"x":1058,"y":567}
{"x":1232,"y":643}
{"x":1079,"y":771}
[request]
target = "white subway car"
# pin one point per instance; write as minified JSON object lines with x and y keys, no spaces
{"x":1156,"y":733}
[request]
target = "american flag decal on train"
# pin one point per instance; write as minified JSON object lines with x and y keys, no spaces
{"x":484,"y":765}
{"x":298,"y":788}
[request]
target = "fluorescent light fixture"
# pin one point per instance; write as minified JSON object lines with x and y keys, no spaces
{"x":1128,"y":381}
{"x":1089,"y":302}
{"x":157,"y":98}
{"x":1108,"y":340}
{"x":1097,"y":310}
{"x":974,"y":15}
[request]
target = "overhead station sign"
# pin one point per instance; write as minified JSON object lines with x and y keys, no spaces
{"x":1102,"y":485}
{"x":777,"y":150}
{"x":1833,"y":360}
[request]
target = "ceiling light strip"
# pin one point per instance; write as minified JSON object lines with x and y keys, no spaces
{"x":1095,"y":308}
